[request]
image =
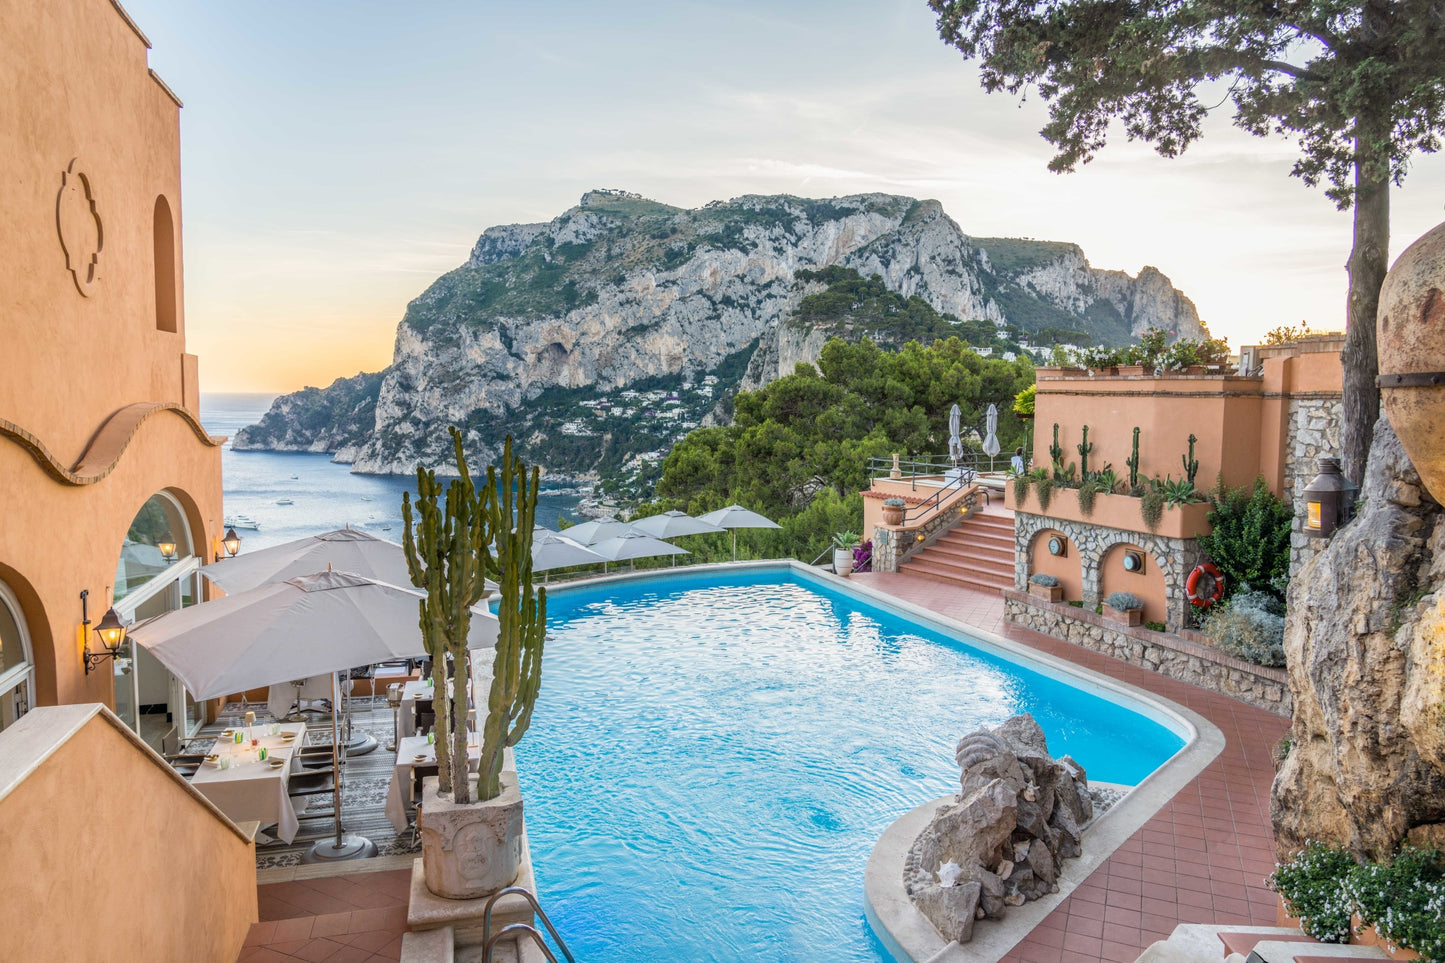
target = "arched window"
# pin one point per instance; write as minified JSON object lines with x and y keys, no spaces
{"x":158,"y":537}
{"x":164,"y":237}
{"x":16,"y":666}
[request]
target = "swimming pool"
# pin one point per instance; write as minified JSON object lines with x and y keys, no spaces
{"x":714,"y":756}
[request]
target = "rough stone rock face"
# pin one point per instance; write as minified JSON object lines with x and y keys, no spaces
{"x":1365,"y":644}
{"x":620,"y":290}
{"x":1019,"y":813}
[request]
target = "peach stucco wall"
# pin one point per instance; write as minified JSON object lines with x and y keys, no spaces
{"x":75,"y":86}
{"x":109,"y":856}
{"x":1148,"y":584}
{"x":1066,"y":568}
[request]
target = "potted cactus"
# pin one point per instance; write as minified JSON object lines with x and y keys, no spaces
{"x":473,"y":846}
{"x":893,"y":509}
{"x":1126,"y":608}
{"x":1046,"y":587}
{"x":843,"y":545}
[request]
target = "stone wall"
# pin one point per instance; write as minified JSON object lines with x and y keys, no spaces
{"x":1175,"y":557}
{"x":1314,"y":430}
{"x":1170,"y":655}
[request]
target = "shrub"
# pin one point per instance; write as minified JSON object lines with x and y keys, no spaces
{"x":1124,"y":601}
{"x":1250,"y":625}
{"x":1250,"y":541}
{"x":1313,"y":887}
{"x":1087,"y":492}
{"x":1021,"y":487}
{"x":1404,"y":900}
{"x":1024,"y":401}
{"x":1151,"y":509}
{"x":1044,"y":488}
{"x":1048,"y":581}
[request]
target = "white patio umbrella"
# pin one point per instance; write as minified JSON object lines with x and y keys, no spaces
{"x":674,"y":524}
{"x":597,"y":530}
{"x":550,"y":550}
{"x":306,"y":626}
{"x":990,"y":439}
{"x":344,"y":550}
{"x":955,"y":443}
{"x":736,"y":517}
{"x":632,"y":545}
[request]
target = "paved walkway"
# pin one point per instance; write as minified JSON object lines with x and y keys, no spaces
{"x":355,"y":918}
{"x":1200,"y":859}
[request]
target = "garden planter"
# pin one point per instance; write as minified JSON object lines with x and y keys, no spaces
{"x":843,"y":561}
{"x":1411,"y":334}
{"x":1369,"y":936}
{"x":1108,"y":372}
{"x":1049,"y":593}
{"x":893,"y":514}
{"x":472,"y":850}
{"x":1123,"y":616}
{"x":1131,"y":370}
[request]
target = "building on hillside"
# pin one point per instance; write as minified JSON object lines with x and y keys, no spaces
{"x":113,"y":499}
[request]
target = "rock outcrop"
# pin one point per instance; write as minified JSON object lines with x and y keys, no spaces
{"x":333,"y":419}
{"x":623,"y":292}
{"x":1019,"y":814}
{"x":1365,"y":644}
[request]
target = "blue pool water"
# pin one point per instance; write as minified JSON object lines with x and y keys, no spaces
{"x":714,"y":756}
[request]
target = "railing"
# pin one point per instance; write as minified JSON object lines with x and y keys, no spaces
{"x":918,"y":467}
{"x":964,"y":478}
{"x":489,"y":941}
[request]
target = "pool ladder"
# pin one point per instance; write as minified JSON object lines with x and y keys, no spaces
{"x":517,"y":930}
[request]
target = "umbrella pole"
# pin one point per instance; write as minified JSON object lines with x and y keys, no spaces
{"x":735,"y":545}
{"x":344,"y":846}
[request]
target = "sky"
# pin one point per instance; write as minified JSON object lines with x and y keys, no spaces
{"x":339,"y":155}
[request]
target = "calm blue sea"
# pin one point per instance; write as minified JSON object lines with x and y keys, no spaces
{"x":324,"y":495}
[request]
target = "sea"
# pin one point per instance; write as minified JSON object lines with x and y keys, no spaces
{"x":289,"y":494}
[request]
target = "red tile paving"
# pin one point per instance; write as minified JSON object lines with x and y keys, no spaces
{"x":357,"y":918}
{"x":1201,"y":859}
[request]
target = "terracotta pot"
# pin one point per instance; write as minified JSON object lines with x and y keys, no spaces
{"x":893,"y":514}
{"x":1124,"y":616}
{"x":472,"y":850}
{"x":1368,"y":936}
{"x":1131,"y":370}
{"x":1410,"y":328}
{"x":1049,"y":593}
{"x":1108,"y":372}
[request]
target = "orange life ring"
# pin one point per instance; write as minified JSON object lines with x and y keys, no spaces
{"x":1191,"y":587}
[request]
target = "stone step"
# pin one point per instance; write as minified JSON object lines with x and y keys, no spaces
{"x":962,"y":581}
{"x":1279,"y":951}
{"x":1202,"y":941}
{"x":964,"y":535}
{"x":429,"y":946}
{"x":1245,"y":940}
{"x":963,"y":566}
{"x":984,"y":553}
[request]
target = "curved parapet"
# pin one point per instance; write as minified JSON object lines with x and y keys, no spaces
{"x":110,"y":442}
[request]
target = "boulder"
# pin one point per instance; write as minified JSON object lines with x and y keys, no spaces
{"x":1365,"y":650}
{"x":951,"y":909}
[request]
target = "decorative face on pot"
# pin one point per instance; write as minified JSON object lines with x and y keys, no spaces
{"x":1411,"y":332}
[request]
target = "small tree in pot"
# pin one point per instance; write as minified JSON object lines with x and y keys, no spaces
{"x":472,"y":848}
{"x":1046,"y":587}
{"x":843,"y":545}
{"x":1125,"y":608}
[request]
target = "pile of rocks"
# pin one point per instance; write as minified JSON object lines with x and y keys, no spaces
{"x":1020,"y":813}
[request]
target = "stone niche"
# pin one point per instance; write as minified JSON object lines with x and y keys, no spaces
{"x":1018,"y":815}
{"x":1365,"y":644}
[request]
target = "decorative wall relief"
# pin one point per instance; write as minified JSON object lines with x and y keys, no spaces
{"x":78,"y":222}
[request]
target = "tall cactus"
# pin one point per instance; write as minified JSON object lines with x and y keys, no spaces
{"x":1133,"y":462}
{"x":1084,"y":448}
{"x":447,"y":556}
{"x":1056,"y":450}
{"x":1191,"y":464}
{"x":522,"y":613}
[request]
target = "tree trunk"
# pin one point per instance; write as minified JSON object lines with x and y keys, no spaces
{"x":1369,"y":260}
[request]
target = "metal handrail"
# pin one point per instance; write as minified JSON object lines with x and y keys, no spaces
{"x":536,"y":908}
{"x":965,"y":477}
{"x":518,"y":929}
{"x":924,"y":466}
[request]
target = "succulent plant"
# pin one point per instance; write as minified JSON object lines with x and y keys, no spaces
{"x":1124,"y":601}
{"x":1048,"y":581}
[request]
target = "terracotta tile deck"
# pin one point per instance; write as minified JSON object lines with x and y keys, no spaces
{"x":357,"y":918}
{"x":1200,"y":859}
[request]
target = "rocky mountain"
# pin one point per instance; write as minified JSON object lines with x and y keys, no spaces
{"x":543,"y":327}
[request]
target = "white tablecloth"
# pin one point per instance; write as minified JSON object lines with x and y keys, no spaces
{"x":406,"y":751}
{"x":251,"y":789}
{"x":280,"y":698}
{"x":418,"y":689}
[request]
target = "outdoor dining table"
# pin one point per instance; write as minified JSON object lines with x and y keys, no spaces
{"x":407,"y":750}
{"x":412,"y":691}
{"x":250,"y":788}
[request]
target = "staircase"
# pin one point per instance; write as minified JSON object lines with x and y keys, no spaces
{"x":976,"y":554}
{"x":1199,"y":942}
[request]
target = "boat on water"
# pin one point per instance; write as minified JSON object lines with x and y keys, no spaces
{"x":284,"y":501}
{"x":242,"y":522}
{"x":295,"y":477}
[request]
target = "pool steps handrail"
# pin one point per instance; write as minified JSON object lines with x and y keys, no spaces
{"x":517,"y":927}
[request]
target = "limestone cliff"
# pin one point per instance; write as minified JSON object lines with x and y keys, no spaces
{"x":1365,"y":643}
{"x":314,"y":419}
{"x":545,"y":323}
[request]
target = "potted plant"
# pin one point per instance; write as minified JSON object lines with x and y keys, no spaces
{"x":1046,"y":587}
{"x":1126,"y":608}
{"x":843,"y":545}
{"x":473,"y":846}
{"x":893,"y":509}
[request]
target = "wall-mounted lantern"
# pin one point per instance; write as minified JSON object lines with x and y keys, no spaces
{"x":110,"y":631}
{"x":167,"y":545}
{"x":1058,"y":545}
{"x":1134,"y":562}
{"x":231,"y":542}
{"x":1329,"y":499}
